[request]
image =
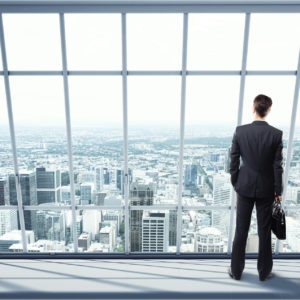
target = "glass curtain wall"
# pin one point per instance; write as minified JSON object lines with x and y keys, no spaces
{"x":116,"y":128}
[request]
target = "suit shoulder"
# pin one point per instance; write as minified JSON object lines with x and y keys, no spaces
{"x":276,"y":130}
{"x":242,"y":127}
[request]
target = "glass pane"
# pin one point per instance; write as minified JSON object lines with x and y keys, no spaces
{"x":6,"y":157}
{"x":211,"y":116}
{"x":32,"y":41}
{"x":96,"y":101}
{"x":215,"y":41}
{"x":274,"y":42}
{"x":153,"y":115}
{"x":38,"y":107}
{"x":94,"y":41}
{"x":154,"y":41}
{"x":292,"y":195}
{"x":97,"y":120}
{"x":280,"y":89}
{"x":292,"y":242}
{"x":208,"y":105}
{"x":38,"y":102}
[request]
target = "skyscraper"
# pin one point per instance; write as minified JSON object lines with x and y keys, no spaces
{"x":99,"y":179}
{"x":190,"y":177}
{"x":8,"y":221}
{"x":120,"y":179}
{"x":106,"y":176}
{"x":140,"y":194}
{"x":86,"y":191}
{"x":222,"y":192}
{"x":48,"y":186}
{"x":50,"y":225}
{"x":155,"y":232}
{"x":28,"y":192}
{"x":3,"y":192}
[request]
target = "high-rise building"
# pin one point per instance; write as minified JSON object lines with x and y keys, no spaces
{"x":106,"y":176}
{"x":155,"y":232}
{"x":120,"y":179}
{"x":190,"y":177}
{"x":84,"y":241}
{"x":91,"y":220}
{"x":9,"y":221}
{"x":66,"y":194}
{"x":99,"y":179}
{"x":227,"y":160}
{"x":3,"y":192}
{"x":108,"y":236}
{"x":100,"y":198}
{"x":48,"y":186}
{"x":50,"y":225}
{"x":172,"y":228}
{"x":86,"y":193}
{"x":140,"y":194}
{"x":28,"y":192}
{"x":112,"y":216}
{"x":222,"y":192}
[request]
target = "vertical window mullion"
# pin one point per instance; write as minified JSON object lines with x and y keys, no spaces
{"x":13,"y":138}
{"x":68,"y":127}
{"x":125,"y":130}
{"x":182,"y":126}
{"x":239,"y":119}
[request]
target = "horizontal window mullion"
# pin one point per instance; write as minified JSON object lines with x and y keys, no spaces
{"x":154,"y":73}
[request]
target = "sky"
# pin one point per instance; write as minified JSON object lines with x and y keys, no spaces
{"x":154,"y":42}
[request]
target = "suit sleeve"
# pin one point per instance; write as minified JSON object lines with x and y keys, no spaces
{"x":278,"y":169}
{"x":234,"y":160}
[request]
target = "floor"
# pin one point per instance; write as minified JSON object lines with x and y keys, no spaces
{"x":143,"y":279}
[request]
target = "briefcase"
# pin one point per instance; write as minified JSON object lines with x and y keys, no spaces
{"x":278,"y":226}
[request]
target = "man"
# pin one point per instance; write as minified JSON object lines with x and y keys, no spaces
{"x":256,"y":175}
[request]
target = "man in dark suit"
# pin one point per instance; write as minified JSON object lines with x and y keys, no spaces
{"x":256,"y":175}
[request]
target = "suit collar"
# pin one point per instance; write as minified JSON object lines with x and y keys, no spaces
{"x":259,"y":123}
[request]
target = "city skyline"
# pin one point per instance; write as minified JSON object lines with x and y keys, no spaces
{"x":152,"y":160}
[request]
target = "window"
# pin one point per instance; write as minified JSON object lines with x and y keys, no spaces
{"x":119,"y":134}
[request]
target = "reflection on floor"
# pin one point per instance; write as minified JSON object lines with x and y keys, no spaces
{"x":143,"y":279}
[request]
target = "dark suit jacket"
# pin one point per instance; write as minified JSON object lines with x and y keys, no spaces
{"x":256,"y":160}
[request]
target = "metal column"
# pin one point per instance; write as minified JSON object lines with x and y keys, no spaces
{"x":68,"y":127}
{"x":125,"y":132}
{"x":182,"y":126}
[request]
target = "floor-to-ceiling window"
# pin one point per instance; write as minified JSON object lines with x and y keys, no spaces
{"x":116,"y":124}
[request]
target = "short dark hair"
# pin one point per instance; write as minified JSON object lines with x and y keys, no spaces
{"x":262,"y":103}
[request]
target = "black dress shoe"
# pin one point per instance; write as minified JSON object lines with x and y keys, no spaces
{"x":231,"y":275}
{"x":264,"y":278}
